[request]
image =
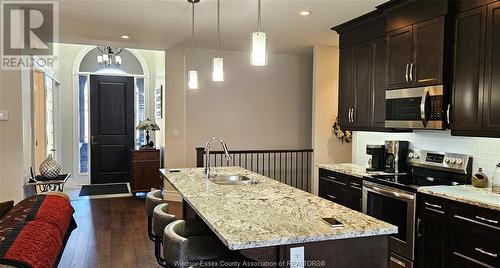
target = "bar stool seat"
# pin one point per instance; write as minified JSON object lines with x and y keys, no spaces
{"x":180,"y":250}
{"x":153,"y":199}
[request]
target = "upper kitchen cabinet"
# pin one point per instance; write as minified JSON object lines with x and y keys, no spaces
{"x":491,"y":106}
{"x":362,"y":72}
{"x":476,"y":74}
{"x":416,"y":32}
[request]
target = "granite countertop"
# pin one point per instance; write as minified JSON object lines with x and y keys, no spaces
{"x":349,"y":169}
{"x":268,"y":213}
{"x":482,"y":197}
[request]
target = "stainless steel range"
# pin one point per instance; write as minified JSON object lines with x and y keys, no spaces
{"x":392,"y":198}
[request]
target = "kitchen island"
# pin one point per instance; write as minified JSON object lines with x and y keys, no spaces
{"x":265,"y":219}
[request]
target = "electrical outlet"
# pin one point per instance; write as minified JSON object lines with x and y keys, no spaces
{"x":297,"y":257}
{"x":4,"y":115}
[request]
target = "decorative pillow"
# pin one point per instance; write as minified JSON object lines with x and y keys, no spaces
{"x":5,"y":207}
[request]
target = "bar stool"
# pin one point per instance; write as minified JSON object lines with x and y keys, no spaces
{"x":161,"y":218}
{"x":179,"y":249}
{"x":153,"y":199}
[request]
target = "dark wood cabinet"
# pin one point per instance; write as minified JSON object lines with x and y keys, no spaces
{"x":428,"y":44}
{"x":476,"y":73}
{"x":454,"y":234}
{"x":466,"y":111}
{"x":145,"y":170}
{"x":378,"y":90}
{"x":399,"y":57}
{"x":355,"y":194}
{"x":431,"y":230}
{"x":347,"y":100}
{"x":491,"y":106}
{"x":415,"y":54}
{"x":340,"y":188}
{"x":362,"y":84}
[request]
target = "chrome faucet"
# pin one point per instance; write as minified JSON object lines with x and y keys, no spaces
{"x":207,"y":155}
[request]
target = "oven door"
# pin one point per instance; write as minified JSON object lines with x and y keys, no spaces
{"x":419,"y":107}
{"x":396,"y":207}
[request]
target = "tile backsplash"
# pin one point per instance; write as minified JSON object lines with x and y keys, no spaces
{"x":486,"y":151}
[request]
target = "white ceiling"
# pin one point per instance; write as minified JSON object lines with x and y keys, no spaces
{"x":160,"y":24}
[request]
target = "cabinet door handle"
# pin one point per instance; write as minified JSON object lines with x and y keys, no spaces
{"x":406,"y":72}
{"x":432,"y":205}
{"x":487,"y":220}
{"x":349,"y":115}
{"x":419,"y":233}
{"x":448,"y":114}
{"x":494,"y":255}
{"x":411,"y":72}
{"x":353,"y":118}
{"x":331,"y":196}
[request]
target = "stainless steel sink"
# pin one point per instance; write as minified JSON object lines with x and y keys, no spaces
{"x":232,"y":180}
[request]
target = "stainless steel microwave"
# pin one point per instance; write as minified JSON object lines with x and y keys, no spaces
{"x":416,"y":108}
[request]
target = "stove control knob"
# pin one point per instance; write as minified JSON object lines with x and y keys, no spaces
{"x":411,"y":155}
{"x":447,"y":160}
{"x":453,"y":160}
{"x":417,"y":156}
{"x":459,"y":161}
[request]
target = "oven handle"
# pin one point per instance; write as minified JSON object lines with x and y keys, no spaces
{"x":386,"y":191}
{"x":422,"y":106}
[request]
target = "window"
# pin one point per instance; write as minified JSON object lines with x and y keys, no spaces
{"x":83,"y":129}
{"x":139,"y":110}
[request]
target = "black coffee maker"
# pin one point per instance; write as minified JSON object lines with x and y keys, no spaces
{"x":377,"y":160}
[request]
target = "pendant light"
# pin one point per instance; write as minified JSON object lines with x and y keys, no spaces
{"x":259,"y":43}
{"x":192,"y":74}
{"x":218,"y":62}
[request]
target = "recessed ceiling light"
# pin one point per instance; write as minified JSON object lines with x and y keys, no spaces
{"x":125,"y":36}
{"x":305,"y":13}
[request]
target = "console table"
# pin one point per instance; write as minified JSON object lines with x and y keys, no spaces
{"x":145,"y":170}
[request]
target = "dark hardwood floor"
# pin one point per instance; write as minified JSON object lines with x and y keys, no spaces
{"x":111,"y":233}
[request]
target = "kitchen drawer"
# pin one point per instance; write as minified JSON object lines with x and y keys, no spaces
{"x":335,"y":177}
{"x":478,"y":246}
{"x":477,"y":216}
{"x":333,"y":191}
{"x":146,"y":155}
{"x":433,"y":205}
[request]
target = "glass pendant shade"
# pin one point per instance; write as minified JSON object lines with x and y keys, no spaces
{"x":99,"y":59}
{"x":105,"y":57}
{"x":118,"y":60}
{"x":218,"y":69}
{"x":259,"y":49}
{"x":193,"y":79}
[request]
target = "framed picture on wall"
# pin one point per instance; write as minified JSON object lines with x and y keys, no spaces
{"x":159,"y":102}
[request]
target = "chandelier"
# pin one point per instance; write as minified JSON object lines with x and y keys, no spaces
{"x":110,"y":55}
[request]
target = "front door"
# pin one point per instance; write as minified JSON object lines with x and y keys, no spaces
{"x":111,"y":127}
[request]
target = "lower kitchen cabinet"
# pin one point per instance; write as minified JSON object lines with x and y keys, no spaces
{"x":453,"y":234}
{"x":342,"y":189}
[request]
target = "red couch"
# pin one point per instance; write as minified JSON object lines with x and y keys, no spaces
{"x":33,"y":233}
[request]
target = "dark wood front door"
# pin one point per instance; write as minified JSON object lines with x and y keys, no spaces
{"x":112,"y":128}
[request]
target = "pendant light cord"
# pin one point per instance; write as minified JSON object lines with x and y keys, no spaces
{"x":259,"y":16}
{"x":218,"y":28}
{"x":192,"y":36}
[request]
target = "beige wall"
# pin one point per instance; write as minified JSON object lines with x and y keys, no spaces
{"x":327,"y":149}
{"x":15,"y":134}
{"x":254,"y":108}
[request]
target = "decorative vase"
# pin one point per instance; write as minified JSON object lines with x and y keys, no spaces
{"x":50,"y":168}
{"x":480,"y":180}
